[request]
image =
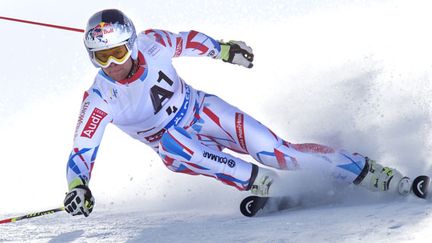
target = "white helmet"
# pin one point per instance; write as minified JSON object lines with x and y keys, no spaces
{"x":107,"y":29}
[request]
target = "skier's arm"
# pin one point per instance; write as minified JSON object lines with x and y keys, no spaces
{"x":194,"y":43}
{"x":93,"y":118}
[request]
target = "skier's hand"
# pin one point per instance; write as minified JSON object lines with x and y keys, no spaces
{"x":79,"y":201}
{"x":237,"y":52}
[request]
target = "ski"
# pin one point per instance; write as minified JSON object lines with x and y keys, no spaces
{"x":253,"y":205}
{"x":256,"y":205}
{"x":420,"y":186}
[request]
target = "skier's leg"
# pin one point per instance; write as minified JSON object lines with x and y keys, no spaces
{"x":234,"y":129}
{"x":183,"y":152}
{"x":340,"y":164}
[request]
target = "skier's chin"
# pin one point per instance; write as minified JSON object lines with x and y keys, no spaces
{"x":116,"y":72}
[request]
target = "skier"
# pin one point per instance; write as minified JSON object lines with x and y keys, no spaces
{"x":138,"y":90}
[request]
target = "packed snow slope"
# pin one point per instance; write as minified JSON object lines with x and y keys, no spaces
{"x":350,"y":74}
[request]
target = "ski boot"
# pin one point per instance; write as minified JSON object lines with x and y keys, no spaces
{"x":261,"y":181}
{"x":376,"y":177}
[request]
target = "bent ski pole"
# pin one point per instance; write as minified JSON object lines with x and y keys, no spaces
{"x":32,"y":215}
{"x":43,"y":24}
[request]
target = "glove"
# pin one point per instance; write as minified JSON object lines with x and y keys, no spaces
{"x":237,"y":52}
{"x":79,"y":201}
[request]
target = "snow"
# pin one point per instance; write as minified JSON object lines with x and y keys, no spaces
{"x":377,"y":222}
{"x":351,"y":74}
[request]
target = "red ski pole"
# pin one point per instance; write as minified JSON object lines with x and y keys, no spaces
{"x":43,"y":24}
{"x":32,"y":215}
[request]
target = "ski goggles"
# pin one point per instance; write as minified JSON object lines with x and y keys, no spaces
{"x":118,"y":55}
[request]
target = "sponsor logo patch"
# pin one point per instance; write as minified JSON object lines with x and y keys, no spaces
{"x":93,"y":123}
{"x":153,"y":51}
{"x":223,"y":160}
{"x":239,"y":125}
{"x":81,"y":116}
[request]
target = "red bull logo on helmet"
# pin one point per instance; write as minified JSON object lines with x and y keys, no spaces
{"x":101,"y":29}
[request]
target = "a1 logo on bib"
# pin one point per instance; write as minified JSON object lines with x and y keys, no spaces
{"x":160,"y":95}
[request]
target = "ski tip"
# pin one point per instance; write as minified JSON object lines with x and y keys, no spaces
{"x":251,"y":205}
{"x":247,"y":206}
{"x":420,"y":186}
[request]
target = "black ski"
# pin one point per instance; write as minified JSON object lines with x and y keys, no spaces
{"x":420,"y":186}
{"x":252,"y":205}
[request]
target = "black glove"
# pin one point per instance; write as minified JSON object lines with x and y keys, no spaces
{"x":79,"y":201}
{"x":236,"y":52}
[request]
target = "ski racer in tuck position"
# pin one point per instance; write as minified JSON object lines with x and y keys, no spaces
{"x":138,"y":90}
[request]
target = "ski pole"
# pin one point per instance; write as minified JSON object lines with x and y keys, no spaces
{"x":32,"y":215}
{"x":43,"y":24}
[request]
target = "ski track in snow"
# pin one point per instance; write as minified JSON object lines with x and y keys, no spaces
{"x":374,"y":222}
{"x":353,"y":74}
